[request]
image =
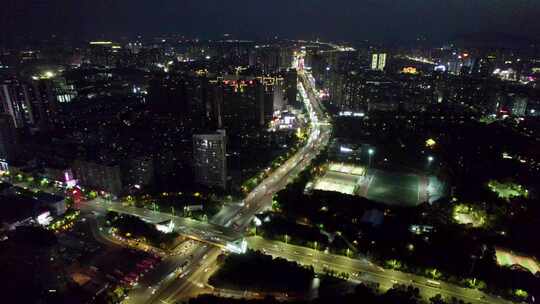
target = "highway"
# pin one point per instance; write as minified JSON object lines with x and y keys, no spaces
{"x":363,"y":270}
{"x":185,"y":272}
{"x":169,"y":285}
{"x":192,"y":281}
{"x":206,"y":232}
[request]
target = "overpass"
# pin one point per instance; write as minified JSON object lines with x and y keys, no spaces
{"x":223,"y":237}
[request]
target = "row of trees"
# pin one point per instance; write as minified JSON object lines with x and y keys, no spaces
{"x":259,"y":272}
{"x":399,"y":294}
{"x":133,"y":227}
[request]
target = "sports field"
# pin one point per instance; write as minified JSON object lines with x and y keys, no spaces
{"x":395,"y":188}
{"x":507,"y":258}
{"x":341,"y":178}
{"x":392,"y":188}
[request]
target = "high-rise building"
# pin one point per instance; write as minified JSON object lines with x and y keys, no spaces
{"x":290,"y":84}
{"x":210,"y":161}
{"x":17,"y":99}
{"x":267,"y":58}
{"x":519,"y":106}
{"x":378,"y":61}
{"x":102,"y":53}
{"x":101,"y":176}
{"x":183,"y":95}
{"x":237,"y":102}
{"x":31,"y":104}
{"x":8,"y":143}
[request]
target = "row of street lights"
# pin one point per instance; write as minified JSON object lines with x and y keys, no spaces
{"x":371,"y":152}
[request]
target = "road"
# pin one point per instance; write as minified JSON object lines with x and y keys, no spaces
{"x":364,"y":270}
{"x":237,"y":218}
{"x":206,"y":232}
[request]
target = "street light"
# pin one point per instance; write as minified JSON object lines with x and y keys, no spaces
{"x":370,"y":153}
{"x":430,"y":159}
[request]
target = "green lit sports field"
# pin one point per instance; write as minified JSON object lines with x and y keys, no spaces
{"x":395,"y":188}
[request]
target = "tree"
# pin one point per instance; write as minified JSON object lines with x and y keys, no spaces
{"x":437,"y":299}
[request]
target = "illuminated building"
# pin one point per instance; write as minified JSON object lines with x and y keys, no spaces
{"x":519,"y":106}
{"x":28,"y":208}
{"x":17,"y":99}
{"x":103,"y":177}
{"x":102,"y":53}
{"x":56,"y":90}
{"x":115,"y":176}
{"x":268,"y":58}
{"x":378,"y":61}
{"x":238,"y":102}
{"x":210,"y":161}
{"x":31,"y":104}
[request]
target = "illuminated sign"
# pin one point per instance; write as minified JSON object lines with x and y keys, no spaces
{"x":440,"y":68}
{"x":409,"y":70}
{"x":430,"y":142}
{"x":238,"y":247}
{"x":353,"y":114}
{"x":345,"y":150}
{"x":100,"y":42}
{"x":69,"y":180}
{"x":44,"y":219}
{"x":165,"y":228}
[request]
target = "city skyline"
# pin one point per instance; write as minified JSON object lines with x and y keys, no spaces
{"x":288,"y":152}
{"x":377,"y":21}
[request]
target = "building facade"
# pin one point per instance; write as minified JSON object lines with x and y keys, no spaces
{"x":210,"y":161}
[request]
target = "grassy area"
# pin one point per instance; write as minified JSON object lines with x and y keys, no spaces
{"x":395,"y":188}
{"x":508,"y":190}
{"x":469,"y":215}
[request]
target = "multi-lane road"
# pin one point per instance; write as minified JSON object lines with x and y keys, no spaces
{"x":363,"y":270}
{"x":206,"y":232}
{"x":185,"y":273}
{"x":166,"y":284}
{"x":259,"y":199}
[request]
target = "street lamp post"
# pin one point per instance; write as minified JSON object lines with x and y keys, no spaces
{"x":370,"y":153}
{"x":430,"y":160}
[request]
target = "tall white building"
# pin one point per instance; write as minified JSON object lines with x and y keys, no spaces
{"x":378,"y":61}
{"x":210,"y":161}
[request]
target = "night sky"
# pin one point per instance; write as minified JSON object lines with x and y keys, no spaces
{"x":382,"y":20}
